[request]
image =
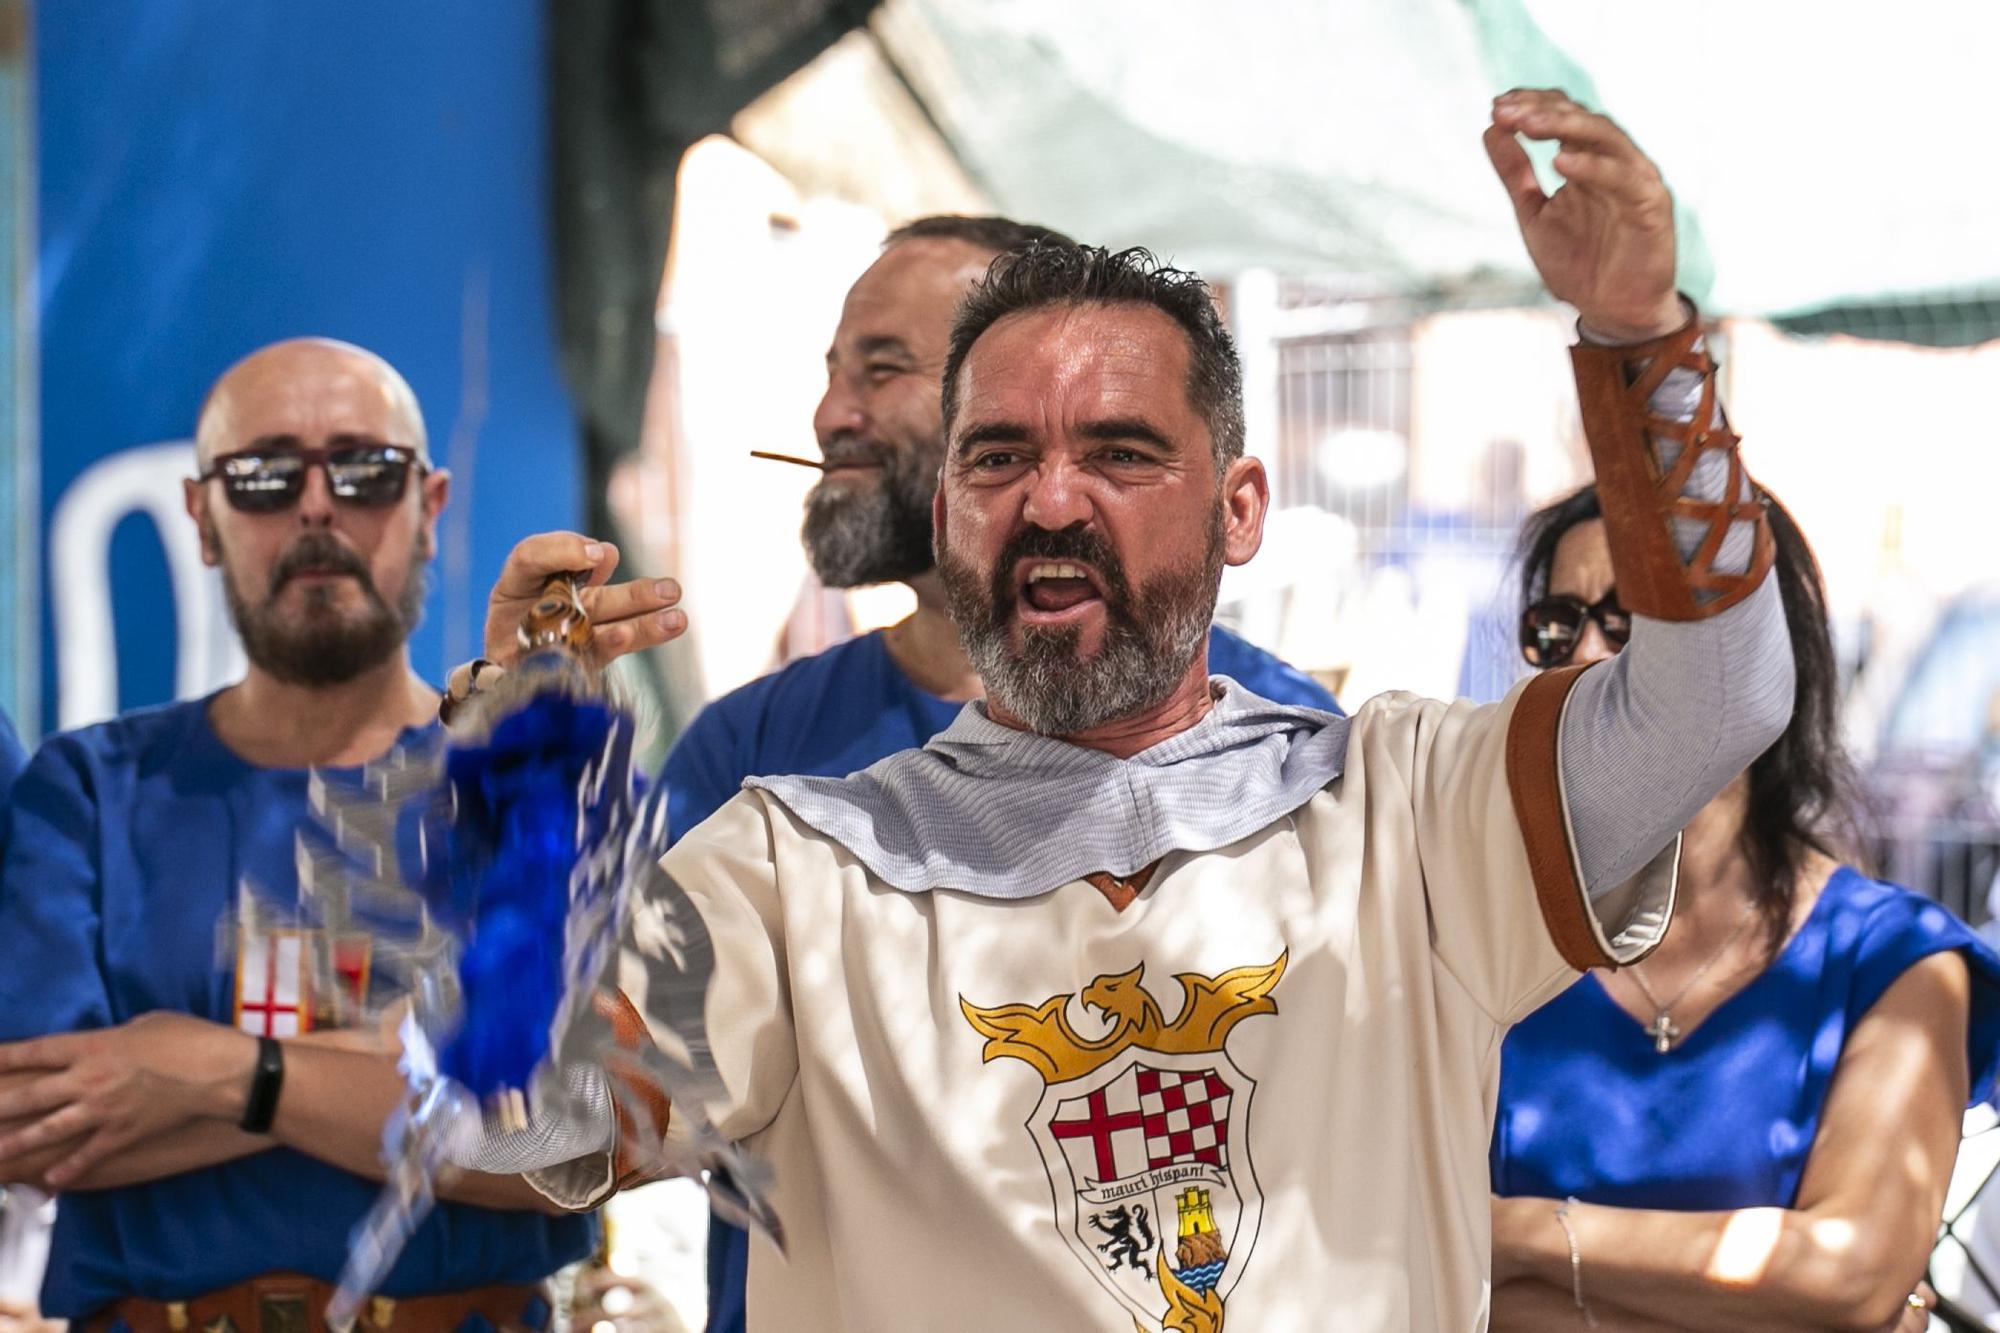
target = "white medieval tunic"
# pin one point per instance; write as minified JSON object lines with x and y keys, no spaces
{"x":1256,"y":1094}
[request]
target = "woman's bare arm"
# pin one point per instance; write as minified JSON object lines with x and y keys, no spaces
{"x":1529,"y":1306}
{"x":1849,"y":1255}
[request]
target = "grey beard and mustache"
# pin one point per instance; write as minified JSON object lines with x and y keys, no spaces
{"x":324,"y":649}
{"x":1151,"y":634}
{"x":856,"y":536}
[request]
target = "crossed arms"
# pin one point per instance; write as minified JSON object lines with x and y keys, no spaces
{"x":163,"y":1094}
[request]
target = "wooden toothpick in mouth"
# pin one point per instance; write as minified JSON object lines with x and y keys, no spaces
{"x":788,"y":458}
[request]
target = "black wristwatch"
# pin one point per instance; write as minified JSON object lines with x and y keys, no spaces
{"x":261,"y":1107}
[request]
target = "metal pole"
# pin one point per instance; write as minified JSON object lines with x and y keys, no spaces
{"x":20,"y":500}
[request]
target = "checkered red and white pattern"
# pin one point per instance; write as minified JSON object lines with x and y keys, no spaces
{"x":1185,"y":1113}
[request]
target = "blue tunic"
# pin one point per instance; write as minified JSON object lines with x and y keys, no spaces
{"x":1727,"y":1118}
{"x":12,"y":757}
{"x":833,"y":714}
{"x":128,"y":841}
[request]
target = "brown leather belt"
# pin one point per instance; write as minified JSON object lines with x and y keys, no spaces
{"x":291,"y":1303}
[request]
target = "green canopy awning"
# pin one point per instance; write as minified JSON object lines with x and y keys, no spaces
{"x":1826,"y":161}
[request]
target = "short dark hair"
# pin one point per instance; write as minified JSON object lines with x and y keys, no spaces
{"x":997,"y":234}
{"x":1067,"y":274}
{"x":1801,"y":788}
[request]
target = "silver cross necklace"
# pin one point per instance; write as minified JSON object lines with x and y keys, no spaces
{"x":1663,"y":1030}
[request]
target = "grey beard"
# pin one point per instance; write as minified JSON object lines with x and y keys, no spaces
{"x":321,"y":653}
{"x":1152,"y":635}
{"x":1055,"y":694}
{"x":877,"y":536}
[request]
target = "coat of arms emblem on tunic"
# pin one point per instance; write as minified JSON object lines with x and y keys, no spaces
{"x":1144,"y":1132}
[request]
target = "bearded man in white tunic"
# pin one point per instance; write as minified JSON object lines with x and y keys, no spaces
{"x":1134,"y":1000}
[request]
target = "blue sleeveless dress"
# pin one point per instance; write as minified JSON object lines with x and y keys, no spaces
{"x":1727,"y":1118}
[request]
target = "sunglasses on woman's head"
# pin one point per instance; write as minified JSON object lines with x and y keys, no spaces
{"x":1552,"y":627}
{"x":265,"y":480}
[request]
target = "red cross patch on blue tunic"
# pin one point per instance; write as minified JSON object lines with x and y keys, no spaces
{"x":290,"y":981}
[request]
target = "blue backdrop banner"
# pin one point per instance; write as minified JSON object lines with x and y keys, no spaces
{"x":215,"y":177}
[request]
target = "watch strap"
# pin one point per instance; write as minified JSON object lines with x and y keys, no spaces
{"x":266,"y":1080}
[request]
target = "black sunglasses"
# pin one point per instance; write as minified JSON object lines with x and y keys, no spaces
{"x":263,"y":481}
{"x":1551,"y":627}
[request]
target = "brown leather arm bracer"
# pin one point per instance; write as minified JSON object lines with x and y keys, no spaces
{"x":638,"y":1158}
{"x":1615,"y":386}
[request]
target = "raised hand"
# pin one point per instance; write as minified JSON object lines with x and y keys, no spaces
{"x":624,"y":617}
{"x":1604,"y":242}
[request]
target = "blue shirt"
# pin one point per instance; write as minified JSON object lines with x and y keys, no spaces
{"x":12,"y":760}
{"x":1727,"y":1118}
{"x":128,"y":841}
{"x":833,"y":714}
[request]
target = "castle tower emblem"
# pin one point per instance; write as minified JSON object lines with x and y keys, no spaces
{"x":1199,"y":1258}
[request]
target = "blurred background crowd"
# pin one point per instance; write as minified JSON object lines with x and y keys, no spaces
{"x":608,"y":242}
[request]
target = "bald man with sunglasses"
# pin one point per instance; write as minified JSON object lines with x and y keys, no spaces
{"x":213,"y":1136}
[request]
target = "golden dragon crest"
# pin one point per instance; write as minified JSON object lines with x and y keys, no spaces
{"x":1042,"y":1034}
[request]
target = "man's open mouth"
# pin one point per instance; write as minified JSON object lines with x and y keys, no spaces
{"x":1055,"y":590}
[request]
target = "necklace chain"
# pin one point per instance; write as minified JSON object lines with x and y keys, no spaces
{"x":1662,"y":1029}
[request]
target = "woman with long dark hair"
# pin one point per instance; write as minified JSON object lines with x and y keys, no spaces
{"x":1754,"y":1127}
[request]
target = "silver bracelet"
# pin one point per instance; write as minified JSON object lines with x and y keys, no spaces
{"x":1575,"y":1261}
